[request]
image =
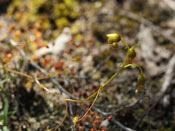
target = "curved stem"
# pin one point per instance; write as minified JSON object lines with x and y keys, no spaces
{"x":45,"y":88}
{"x":125,"y":43}
{"x":65,"y":115}
{"x":134,"y":65}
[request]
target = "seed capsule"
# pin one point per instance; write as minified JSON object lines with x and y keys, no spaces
{"x":114,"y":44}
{"x":140,"y":84}
{"x":131,"y":55}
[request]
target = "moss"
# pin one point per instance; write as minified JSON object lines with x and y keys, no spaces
{"x":62,"y":22}
{"x":60,"y":13}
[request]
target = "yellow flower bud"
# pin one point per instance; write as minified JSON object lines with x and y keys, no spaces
{"x":113,"y":38}
{"x":75,"y":120}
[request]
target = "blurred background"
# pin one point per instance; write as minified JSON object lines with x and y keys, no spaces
{"x":67,"y":39}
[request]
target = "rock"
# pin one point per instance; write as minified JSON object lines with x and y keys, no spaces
{"x":57,"y":46}
{"x":104,"y":123}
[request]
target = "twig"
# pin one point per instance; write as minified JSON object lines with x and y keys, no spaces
{"x":168,"y":76}
{"x":44,"y":72}
{"x":65,"y":115}
{"x":53,"y":80}
{"x":121,"y":125}
{"x":117,"y":110}
{"x":70,"y":108}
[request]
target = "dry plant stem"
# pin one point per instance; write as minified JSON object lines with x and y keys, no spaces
{"x":47,"y":77}
{"x":19,"y":73}
{"x":91,"y":105}
{"x":117,"y":110}
{"x":65,"y":115}
{"x":66,"y":103}
{"x":52,"y":80}
{"x":49,"y":91}
{"x":122,"y":126}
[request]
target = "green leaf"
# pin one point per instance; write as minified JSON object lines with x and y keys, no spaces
{"x":5,"y":112}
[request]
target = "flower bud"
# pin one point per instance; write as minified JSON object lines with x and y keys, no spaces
{"x":114,"y":44}
{"x":113,"y":38}
{"x":131,"y":55}
{"x":75,"y":120}
{"x":140,"y":83}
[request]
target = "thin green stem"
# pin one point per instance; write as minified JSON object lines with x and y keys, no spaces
{"x":126,"y":58}
{"x":125,"y":43}
{"x":112,"y":77}
{"x":80,"y":101}
{"x":134,"y":65}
